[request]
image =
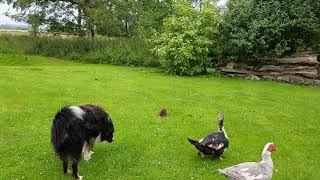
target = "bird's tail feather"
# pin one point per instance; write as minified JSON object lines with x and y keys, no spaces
{"x":221,"y":171}
{"x":198,"y":145}
{"x":193,"y":141}
{"x":202,"y":148}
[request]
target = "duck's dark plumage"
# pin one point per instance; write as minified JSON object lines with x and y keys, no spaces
{"x":213,"y":144}
{"x":202,"y":148}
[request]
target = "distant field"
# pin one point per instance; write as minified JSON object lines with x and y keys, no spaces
{"x":27,"y":32}
{"x":14,"y":32}
{"x":33,"y":88}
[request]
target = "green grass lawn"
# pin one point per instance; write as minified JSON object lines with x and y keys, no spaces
{"x":27,"y":60}
{"x":146,"y":146}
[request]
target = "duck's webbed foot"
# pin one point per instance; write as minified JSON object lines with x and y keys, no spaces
{"x":200,"y":154}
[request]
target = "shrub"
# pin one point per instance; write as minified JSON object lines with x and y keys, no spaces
{"x":256,"y":29}
{"x":12,"y":44}
{"x":186,"y":38}
{"x":118,"y":51}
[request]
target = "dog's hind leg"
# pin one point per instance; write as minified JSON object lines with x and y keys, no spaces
{"x":75,"y":162}
{"x":65,"y":165}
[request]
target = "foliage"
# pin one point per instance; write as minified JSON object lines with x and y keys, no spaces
{"x":120,"y":51}
{"x":81,"y":17}
{"x":151,"y":16}
{"x":186,"y":38}
{"x":15,"y":44}
{"x":255,"y":29}
{"x":76,"y":16}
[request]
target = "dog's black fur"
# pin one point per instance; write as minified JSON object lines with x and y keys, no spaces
{"x":69,"y":132}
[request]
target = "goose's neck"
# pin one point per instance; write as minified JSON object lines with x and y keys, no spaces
{"x":220,"y":122}
{"x":266,"y":157}
{"x":221,"y":129}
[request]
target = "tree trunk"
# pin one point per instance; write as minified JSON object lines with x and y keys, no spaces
{"x":127,"y":18}
{"x":127,"y":26}
{"x":89,"y":20}
{"x":92,"y":32}
{"x":80,"y":32}
{"x":205,"y":71}
{"x":35,"y":29}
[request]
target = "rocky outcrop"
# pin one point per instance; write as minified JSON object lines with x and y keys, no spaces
{"x":299,"y":68}
{"x":306,"y":58}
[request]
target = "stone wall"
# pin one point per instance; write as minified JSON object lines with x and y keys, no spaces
{"x":299,"y":68}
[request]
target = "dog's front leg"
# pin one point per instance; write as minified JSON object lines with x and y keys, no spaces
{"x":86,"y":150}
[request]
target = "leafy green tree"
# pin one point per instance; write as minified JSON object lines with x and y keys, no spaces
{"x":256,"y":29}
{"x":70,"y":15}
{"x":186,"y":38}
{"x":36,"y":20}
{"x":151,"y":16}
{"x":105,"y":17}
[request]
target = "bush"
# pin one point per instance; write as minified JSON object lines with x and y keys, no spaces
{"x":12,"y":44}
{"x":118,"y":51}
{"x":186,"y":38}
{"x":257,"y":29}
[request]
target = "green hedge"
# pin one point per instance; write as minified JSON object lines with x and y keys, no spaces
{"x":119,"y":51}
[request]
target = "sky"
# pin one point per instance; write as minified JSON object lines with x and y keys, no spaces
{"x":222,"y":2}
{"x":3,"y":18}
{"x":6,"y":20}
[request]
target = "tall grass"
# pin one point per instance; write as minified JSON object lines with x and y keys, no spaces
{"x":12,"y":44}
{"x":119,"y":51}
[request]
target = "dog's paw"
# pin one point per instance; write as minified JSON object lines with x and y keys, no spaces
{"x":200,"y":154}
{"x":87,"y":157}
{"x":79,"y":177}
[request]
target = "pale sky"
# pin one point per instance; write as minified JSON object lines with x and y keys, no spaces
{"x":222,"y":2}
{"x":3,"y":18}
{"x":6,"y":20}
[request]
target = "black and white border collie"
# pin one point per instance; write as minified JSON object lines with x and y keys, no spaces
{"x":75,"y":129}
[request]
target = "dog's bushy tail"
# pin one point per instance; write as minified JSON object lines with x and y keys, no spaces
{"x":59,"y":132}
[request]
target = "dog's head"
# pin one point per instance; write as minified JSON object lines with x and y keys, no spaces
{"x":107,"y":131}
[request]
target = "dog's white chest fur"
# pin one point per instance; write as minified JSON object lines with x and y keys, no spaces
{"x":98,"y":139}
{"x":87,"y":149}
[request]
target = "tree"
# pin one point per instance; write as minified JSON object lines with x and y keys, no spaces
{"x":105,"y":17}
{"x":151,"y":16}
{"x":70,"y":15}
{"x":186,"y":37}
{"x":257,"y":29}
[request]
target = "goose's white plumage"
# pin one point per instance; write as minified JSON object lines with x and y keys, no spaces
{"x":253,"y":170}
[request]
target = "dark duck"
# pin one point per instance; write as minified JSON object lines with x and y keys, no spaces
{"x":214,"y":144}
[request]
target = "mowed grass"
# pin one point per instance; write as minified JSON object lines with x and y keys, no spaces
{"x":146,"y":146}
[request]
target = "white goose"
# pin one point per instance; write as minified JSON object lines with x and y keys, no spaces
{"x":253,"y":170}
